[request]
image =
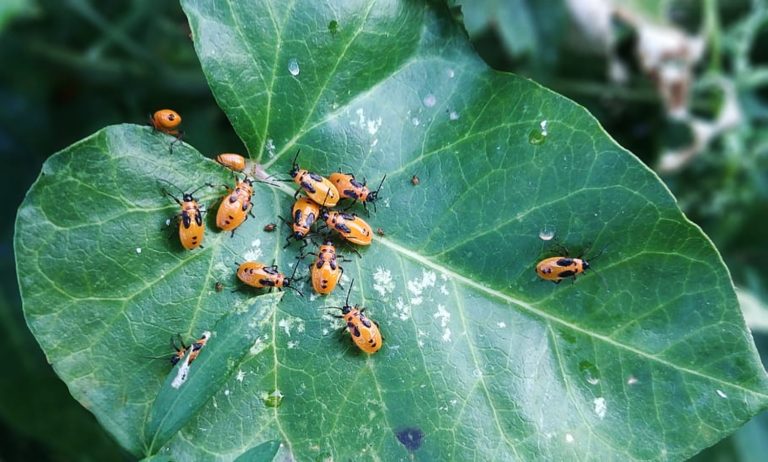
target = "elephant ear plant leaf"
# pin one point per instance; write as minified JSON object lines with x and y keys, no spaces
{"x":644,"y":356}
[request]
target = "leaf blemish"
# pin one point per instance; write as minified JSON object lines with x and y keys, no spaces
{"x":410,"y":437}
{"x":371,"y":125}
{"x":270,"y":147}
{"x":240,"y":375}
{"x":600,"y":407}
{"x":383,"y":282}
{"x":444,"y":317}
{"x":403,"y":309}
{"x":430,"y":100}
{"x":288,"y":323}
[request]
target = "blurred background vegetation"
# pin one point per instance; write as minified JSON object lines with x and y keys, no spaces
{"x":683,"y":84}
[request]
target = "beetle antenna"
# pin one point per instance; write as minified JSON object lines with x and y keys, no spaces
{"x":294,"y":288}
{"x":382,"y":182}
{"x":346,"y":302}
{"x":295,"y":158}
{"x":168,"y":182}
{"x":201,"y":187}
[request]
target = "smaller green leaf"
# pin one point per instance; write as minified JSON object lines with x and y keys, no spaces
{"x":263,"y":452}
{"x":232,"y":336}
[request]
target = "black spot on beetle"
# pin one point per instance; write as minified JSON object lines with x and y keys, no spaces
{"x":564,"y":262}
{"x":410,"y":437}
{"x":566,"y":274}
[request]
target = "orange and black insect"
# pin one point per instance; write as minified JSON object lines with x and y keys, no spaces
{"x":261,"y":276}
{"x":181,"y":349}
{"x":325,"y":271}
{"x":365,"y":332}
{"x":234,"y":162}
{"x":557,"y":268}
{"x":235,"y":206}
{"x":168,"y":122}
{"x":191,"y":226}
{"x":317,"y":187}
{"x":303,"y":215}
{"x":349,"y":226}
{"x":351,"y":188}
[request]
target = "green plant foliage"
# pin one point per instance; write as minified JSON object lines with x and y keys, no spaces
{"x":646,"y":356}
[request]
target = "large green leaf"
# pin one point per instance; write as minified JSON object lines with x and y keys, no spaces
{"x":646,"y":356}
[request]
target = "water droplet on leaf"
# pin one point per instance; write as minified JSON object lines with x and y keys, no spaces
{"x":293,"y":67}
{"x":546,"y":233}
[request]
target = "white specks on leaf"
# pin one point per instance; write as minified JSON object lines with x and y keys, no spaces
{"x":501,"y":324}
{"x":292,"y":344}
{"x":444,"y":289}
{"x":446,"y":335}
{"x":600,"y":407}
{"x":453,"y":115}
{"x":383,"y":282}
{"x":721,"y":393}
{"x":417,"y":285}
{"x":415,"y":121}
{"x":631,"y":380}
{"x":543,"y":126}
{"x":259,"y":345}
{"x":293,"y":67}
{"x":451,"y":73}
{"x":403,"y":309}
{"x":254,"y":252}
{"x":240,"y":375}
{"x":593,"y":380}
{"x":168,"y":222}
{"x":138,"y":250}
{"x":371,"y":125}
{"x":430,"y":100}
{"x":270,"y":147}
{"x":569,"y":438}
{"x":443,"y":315}
{"x":288,"y":323}
{"x":226,"y":392}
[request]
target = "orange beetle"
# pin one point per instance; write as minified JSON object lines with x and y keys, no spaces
{"x":556,"y":269}
{"x":191,"y":226}
{"x":167,"y":121}
{"x":350,"y":188}
{"x":234,"y":162}
{"x":303,"y":216}
{"x":365,"y":332}
{"x":261,"y":276}
{"x":181,"y":350}
{"x":349,"y":226}
{"x":325,"y":271}
{"x":235,"y":206}
{"x":317,"y":187}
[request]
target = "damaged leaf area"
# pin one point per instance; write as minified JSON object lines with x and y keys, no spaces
{"x":645,"y":356}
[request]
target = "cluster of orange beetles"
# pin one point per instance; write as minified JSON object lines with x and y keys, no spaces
{"x":312,"y":208}
{"x":319,"y":195}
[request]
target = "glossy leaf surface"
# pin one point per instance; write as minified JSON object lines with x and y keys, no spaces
{"x":646,"y":356}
